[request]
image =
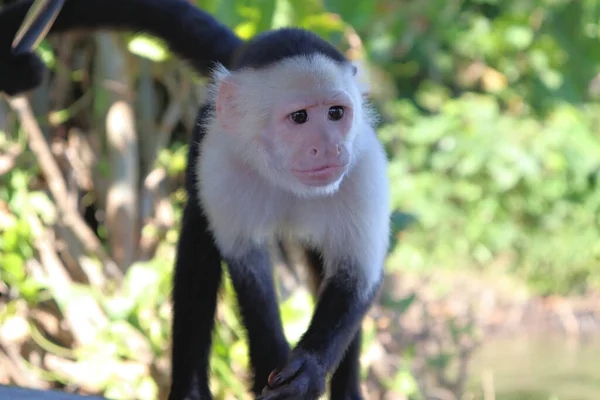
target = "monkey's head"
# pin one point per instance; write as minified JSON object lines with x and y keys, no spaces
{"x":298,"y":121}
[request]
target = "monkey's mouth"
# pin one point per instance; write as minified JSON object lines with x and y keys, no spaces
{"x":320,"y":176}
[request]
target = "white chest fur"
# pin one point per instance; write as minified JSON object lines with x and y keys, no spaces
{"x":244,"y":209}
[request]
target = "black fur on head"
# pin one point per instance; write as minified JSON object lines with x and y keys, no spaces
{"x":273,"y":46}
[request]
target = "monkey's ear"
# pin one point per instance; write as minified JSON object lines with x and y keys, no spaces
{"x":228,"y":113}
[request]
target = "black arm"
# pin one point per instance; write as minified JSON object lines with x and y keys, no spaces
{"x":335,"y":327}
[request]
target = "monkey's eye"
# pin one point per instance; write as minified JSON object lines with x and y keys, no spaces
{"x":299,"y":117}
{"x":336,"y":113}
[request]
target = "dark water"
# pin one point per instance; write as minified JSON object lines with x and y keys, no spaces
{"x":539,"y":368}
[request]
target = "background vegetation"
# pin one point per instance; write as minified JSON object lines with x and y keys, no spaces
{"x":491,"y":120}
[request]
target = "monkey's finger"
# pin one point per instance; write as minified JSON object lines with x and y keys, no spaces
{"x":287,"y":373}
{"x":272,"y":375}
{"x":36,"y":25}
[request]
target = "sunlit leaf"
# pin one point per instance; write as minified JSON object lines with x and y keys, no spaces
{"x":140,"y":277}
{"x":9,"y":240}
{"x":520,"y":37}
{"x":147,"y":47}
{"x":246,"y":30}
{"x":296,"y":313}
{"x":13,"y":267}
{"x":119,"y":307}
{"x":404,"y":383}
{"x":43,"y":206}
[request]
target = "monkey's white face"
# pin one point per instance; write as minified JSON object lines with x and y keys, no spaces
{"x":296,"y":122}
{"x":309,"y":137}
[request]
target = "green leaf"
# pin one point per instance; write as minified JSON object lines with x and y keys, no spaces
{"x":519,"y":36}
{"x":119,"y":307}
{"x":13,"y":267}
{"x":43,"y":206}
{"x":140,"y":278}
{"x":401,"y":221}
{"x":148,"y":47}
{"x":296,"y":313}
{"x":10,"y":239}
{"x":30,"y":289}
{"x":400,"y":305}
{"x":405,"y":383}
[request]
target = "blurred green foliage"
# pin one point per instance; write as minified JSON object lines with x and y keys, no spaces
{"x":491,"y":189}
{"x":493,"y":137}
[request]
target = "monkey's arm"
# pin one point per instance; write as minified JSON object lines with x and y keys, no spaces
{"x":189,"y":32}
{"x":342,"y":305}
{"x":196,"y":280}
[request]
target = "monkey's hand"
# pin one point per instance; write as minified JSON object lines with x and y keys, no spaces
{"x":303,"y":378}
{"x":20,"y":73}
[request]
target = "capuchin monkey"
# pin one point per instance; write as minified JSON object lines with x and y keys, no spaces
{"x":284,"y":149}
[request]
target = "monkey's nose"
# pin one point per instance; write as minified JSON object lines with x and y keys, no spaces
{"x":315,"y":150}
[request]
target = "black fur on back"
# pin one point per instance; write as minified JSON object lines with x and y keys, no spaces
{"x":273,"y":46}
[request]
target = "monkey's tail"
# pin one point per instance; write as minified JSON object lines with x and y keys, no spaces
{"x":189,"y":32}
